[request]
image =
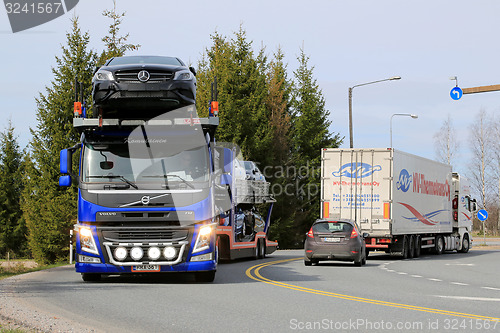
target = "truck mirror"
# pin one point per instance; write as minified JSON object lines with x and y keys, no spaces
{"x":65,"y":180}
{"x":65,"y":161}
{"x":192,"y":70}
{"x":365,"y":235}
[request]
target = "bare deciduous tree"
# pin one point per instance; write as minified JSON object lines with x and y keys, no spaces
{"x":481,"y":165}
{"x":446,"y":144}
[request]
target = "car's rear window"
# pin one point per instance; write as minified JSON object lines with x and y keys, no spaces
{"x":332,"y":227}
{"x":155,"y":60}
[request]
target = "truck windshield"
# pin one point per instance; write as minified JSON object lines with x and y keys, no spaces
{"x":132,"y":165}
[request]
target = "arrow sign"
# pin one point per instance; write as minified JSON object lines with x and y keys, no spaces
{"x":456,"y":93}
{"x":482,"y":215}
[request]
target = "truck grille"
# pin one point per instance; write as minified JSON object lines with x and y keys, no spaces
{"x":145,"y":234}
{"x":131,"y":76}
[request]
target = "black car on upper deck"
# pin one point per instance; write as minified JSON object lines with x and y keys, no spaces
{"x":142,"y":83}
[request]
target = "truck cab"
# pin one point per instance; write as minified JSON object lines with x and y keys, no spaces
{"x":145,"y":195}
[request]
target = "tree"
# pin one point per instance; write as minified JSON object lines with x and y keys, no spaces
{"x":480,"y":167}
{"x":50,"y":211}
{"x":446,"y":144}
{"x":12,"y":226}
{"x":311,"y":133}
{"x":115,"y":45}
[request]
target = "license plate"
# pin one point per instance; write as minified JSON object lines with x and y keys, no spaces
{"x":332,"y":239}
{"x":146,"y":268}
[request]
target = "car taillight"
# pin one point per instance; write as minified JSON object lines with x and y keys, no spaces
{"x":310,"y":233}
{"x":354,"y":233}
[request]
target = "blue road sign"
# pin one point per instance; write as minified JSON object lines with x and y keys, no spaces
{"x":482,"y":215}
{"x":456,"y":93}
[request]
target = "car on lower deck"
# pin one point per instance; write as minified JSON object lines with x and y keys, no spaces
{"x":329,"y":240}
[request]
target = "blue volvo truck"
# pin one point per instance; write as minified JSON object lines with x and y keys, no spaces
{"x":159,"y":195}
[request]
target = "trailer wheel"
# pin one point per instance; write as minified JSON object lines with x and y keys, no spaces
{"x":439,"y":247}
{"x":256,"y":253}
{"x":262,"y":249}
{"x":465,"y":244}
{"x":418,"y":246}
{"x":91,"y":277}
{"x":404,"y":247}
{"x":411,"y":246}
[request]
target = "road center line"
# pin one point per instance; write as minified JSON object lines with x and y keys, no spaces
{"x":254,"y":273}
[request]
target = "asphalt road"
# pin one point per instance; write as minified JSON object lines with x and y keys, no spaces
{"x":448,"y":293}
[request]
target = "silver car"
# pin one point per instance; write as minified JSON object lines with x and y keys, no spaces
{"x":334,"y":240}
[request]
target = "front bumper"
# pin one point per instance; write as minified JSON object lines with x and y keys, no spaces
{"x":200,"y":266}
{"x":107,"y":93}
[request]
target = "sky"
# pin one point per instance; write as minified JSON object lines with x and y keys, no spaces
{"x":348,"y":42}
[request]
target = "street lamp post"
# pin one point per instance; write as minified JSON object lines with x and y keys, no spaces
{"x":350,"y":103}
{"x":414,"y":116}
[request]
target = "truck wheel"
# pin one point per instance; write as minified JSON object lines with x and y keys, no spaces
{"x":439,"y":247}
{"x":411,"y":246}
{"x":465,"y":244}
{"x":307,"y":262}
{"x":205,"y":276}
{"x":91,"y":277}
{"x":418,"y":245}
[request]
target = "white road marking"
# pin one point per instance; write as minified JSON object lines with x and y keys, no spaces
{"x":417,"y":276}
{"x":459,"y":264}
{"x":437,"y":280}
{"x":460,"y":283}
{"x":402,"y":273}
{"x":491,"y":288}
{"x":470,"y":298}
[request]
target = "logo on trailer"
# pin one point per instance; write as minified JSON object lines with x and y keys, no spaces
{"x":404,"y":181}
{"x":356,"y":170}
{"x":143,"y":76}
{"x":426,"y":219}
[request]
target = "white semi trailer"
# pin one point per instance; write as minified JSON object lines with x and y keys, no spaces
{"x":405,"y":203}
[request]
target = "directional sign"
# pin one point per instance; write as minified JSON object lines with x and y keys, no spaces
{"x":456,"y":93}
{"x":482,"y":215}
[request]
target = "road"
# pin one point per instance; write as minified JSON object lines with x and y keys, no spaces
{"x":452,"y":292}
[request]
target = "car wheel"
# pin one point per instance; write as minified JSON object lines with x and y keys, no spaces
{"x":359,"y":261}
{"x":465,"y":244}
{"x":439,"y":248}
{"x":363,"y":261}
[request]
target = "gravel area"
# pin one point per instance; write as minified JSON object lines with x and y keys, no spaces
{"x":16,"y":313}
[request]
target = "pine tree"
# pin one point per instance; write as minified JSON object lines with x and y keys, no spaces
{"x":311,"y":133}
{"x":116,"y":45}
{"x":12,"y":226}
{"x":50,"y":211}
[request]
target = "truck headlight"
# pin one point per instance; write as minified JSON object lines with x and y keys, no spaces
{"x":203,"y":239}
{"x":87,"y":242}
